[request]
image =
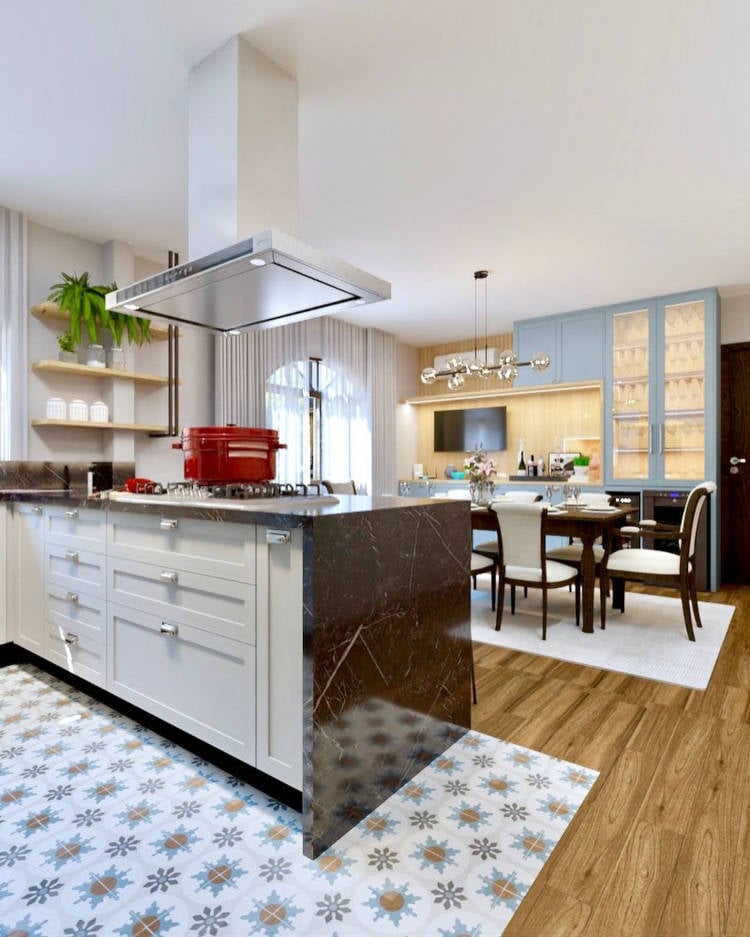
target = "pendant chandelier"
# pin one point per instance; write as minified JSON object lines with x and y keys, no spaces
{"x":506,"y":367}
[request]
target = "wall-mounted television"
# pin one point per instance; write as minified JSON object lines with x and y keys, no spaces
{"x":467,"y":430}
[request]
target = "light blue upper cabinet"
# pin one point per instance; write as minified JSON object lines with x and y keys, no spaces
{"x":661,"y":401}
{"x":575,"y":342}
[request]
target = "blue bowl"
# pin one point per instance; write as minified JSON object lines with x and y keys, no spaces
{"x":457,"y":474}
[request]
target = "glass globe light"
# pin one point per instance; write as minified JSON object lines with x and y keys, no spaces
{"x":455,"y":363}
{"x":539,"y":362}
{"x":508,"y":372}
{"x":455,"y":381}
{"x":428,"y":376}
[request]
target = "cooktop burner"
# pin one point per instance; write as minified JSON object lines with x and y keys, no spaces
{"x":188,"y":490}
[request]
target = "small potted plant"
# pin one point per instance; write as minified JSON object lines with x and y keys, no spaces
{"x":581,"y":466}
{"x":67,"y":348}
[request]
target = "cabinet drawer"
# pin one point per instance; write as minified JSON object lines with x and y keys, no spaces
{"x":209,"y":547}
{"x":75,"y":570}
{"x":200,"y":682}
{"x":81,"y":612}
{"x":76,"y":652}
{"x":76,"y":528}
{"x":220,"y":606}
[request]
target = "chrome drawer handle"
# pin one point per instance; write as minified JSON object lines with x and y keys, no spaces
{"x":73,"y":515}
{"x":72,"y":597}
{"x":169,"y":630}
{"x":71,"y":555}
{"x":278,"y":536}
{"x":37,"y":510}
{"x":168,"y":575}
{"x":71,"y":639}
{"x":167,"y":524}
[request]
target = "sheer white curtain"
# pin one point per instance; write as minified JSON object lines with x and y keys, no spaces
{"x":13,"y":334}
{"x":345,"y":405}
{"x":381,"y":375}
{"x":262,"y":380}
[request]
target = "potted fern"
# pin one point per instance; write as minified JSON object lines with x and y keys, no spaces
{"x":137,"y":329}
{"x":84,"y":302}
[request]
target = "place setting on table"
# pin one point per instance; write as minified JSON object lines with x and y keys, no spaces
{"x":572,"y":518}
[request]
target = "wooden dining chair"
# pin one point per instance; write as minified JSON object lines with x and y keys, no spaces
{"x":522,"y":558}
{"x":660,"y":567}
{"x":484,"y":564}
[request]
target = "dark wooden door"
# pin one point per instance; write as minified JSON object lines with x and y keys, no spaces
{"x":735,"y":478}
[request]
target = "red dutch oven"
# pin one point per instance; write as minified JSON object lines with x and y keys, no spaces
{"x":221,"y":454}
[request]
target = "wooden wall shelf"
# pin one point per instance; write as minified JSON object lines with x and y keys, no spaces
{"x":83,"y":370}
{"x":88,"y":424}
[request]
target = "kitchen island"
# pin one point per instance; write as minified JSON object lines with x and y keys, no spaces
{"x":358,"y":610}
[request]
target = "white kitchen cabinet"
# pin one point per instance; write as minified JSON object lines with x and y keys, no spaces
{"x":193,"y":678}
{"x":76,"y":528}
{"x":74,"y":589}
{"x":279,"y":655}
{"x":27,"y":607}
{"x":223,"y":606}
{"x":4,"y":516}
{"x":70,"y":646}
{"x":74,"y":569}
{"x":212,"y":548}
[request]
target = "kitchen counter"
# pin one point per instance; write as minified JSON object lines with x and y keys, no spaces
{"x":386,"y":635}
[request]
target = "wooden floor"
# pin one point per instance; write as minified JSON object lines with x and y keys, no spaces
{"x":661,"y":846}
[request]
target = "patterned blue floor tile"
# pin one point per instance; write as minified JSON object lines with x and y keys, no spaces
{"x":106,"y":829}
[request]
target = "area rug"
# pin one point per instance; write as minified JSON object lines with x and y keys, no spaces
{"x":107,"y":829}
{"x":648,"y":640}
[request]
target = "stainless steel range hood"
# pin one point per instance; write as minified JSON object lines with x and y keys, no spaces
{"x":267,"y":280}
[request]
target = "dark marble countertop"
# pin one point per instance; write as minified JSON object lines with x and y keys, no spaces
{"x":281,"y":512}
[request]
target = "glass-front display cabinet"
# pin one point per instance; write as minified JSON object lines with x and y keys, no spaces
{"x":662,"y":388}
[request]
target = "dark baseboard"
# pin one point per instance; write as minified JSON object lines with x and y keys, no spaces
{"x":11,"y":653}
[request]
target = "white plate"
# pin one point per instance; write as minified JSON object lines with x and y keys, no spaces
{"x":602,"y":509}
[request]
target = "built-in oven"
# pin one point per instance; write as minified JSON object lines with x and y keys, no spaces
{"x":666,"y":507}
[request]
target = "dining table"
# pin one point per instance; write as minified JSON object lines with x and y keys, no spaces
{"x":586,"y":524}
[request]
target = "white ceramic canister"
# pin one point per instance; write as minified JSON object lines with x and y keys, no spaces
{"x":78,"y":410}
{"x":56,"y":409}
{"x":99,"y":412}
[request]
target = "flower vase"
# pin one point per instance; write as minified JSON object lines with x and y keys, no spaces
{"x":481,"y":491}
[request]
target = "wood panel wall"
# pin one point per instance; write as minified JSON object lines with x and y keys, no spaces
{"x":547,"y":422}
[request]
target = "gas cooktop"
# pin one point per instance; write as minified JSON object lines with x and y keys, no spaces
{"x":232,"y":495}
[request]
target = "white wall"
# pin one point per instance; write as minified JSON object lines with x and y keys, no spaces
{"x":51,"y":252}
{"x":735,"y":319}
{"x":406,"y":415}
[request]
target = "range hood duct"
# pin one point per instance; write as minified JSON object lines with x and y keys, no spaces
{"x":267,"y":280}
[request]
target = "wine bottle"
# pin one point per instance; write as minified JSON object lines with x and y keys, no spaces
{"x":521,"y":460}
{"x":531,"y":468}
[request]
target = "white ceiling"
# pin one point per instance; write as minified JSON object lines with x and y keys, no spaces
{"x":584,"y":152}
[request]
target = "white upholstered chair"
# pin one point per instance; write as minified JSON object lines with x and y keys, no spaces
{"x":490,"y":547}
{"x":658,"y":567}
{"x":522,"y":558}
